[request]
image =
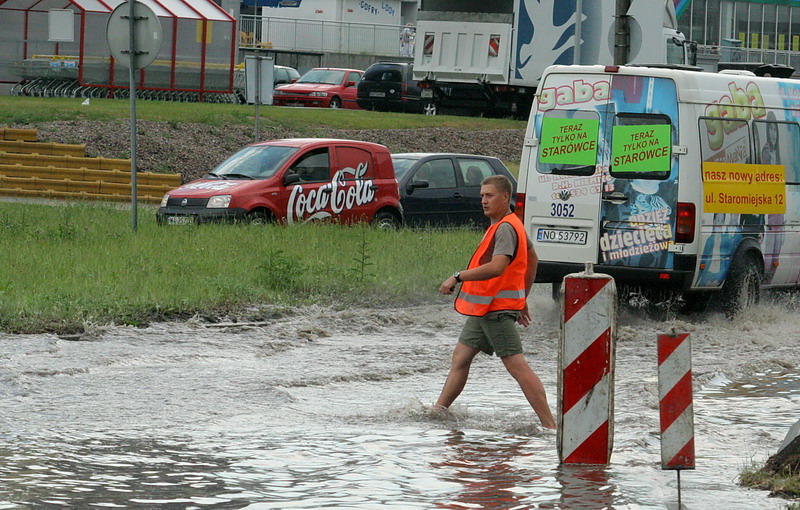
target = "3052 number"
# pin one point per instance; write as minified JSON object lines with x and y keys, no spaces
{"x":562,"y":210}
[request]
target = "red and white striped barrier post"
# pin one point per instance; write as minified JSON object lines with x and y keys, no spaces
{"x":586,"y":368}
{"x":675,"y":403}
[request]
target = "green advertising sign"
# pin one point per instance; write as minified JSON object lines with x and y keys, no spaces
{"x":569,"y":141}
{"x":641,"y":148}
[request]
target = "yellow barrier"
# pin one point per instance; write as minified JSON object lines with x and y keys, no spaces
{"x":43,"y":148}
{"x":26,"y":135}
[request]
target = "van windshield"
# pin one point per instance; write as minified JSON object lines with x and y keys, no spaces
{"x":256,"y":162}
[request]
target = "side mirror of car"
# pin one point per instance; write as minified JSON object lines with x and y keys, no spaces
{"x":350,"y":84}
{"x":291,"y":178}
{"x":294,"y":80}
{"x":411,"y":186}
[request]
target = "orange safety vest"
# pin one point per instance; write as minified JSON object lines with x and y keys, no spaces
{"x":504,"y":292}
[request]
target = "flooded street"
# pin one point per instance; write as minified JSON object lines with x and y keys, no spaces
{"x":321,"y":408}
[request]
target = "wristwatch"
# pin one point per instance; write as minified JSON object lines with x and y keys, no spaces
{"x":457,"y":276}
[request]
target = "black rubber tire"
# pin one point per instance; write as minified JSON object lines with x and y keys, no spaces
{"x":742,"y":287}
{"x":386,"y":220}
{"x":696,"y":301}
{"x":335,"y":103}
{"x":260,"y":217}
{"x":555,"y":291}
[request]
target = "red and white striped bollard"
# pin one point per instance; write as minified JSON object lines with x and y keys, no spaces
{"x":586,"y":368}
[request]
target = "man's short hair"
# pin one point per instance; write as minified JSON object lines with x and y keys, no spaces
{"x":501,"y":182}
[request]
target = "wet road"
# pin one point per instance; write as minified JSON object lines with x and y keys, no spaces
{"x":319,"y":408}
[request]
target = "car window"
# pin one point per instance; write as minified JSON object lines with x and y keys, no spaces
{"x":280,"y":76}
{"x":474,"y":171}
{"x":313,"y":166}
{"x":439,"y":173}
{"x":356,"y":163}
{"x":401,"y":166}
{"x":354,"y":77}
{"x":391,"y":75}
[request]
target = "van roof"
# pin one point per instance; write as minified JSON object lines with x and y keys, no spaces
{"x":692,"y":86}
{"x":304,"y":142}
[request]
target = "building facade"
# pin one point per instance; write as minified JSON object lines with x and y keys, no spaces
{"x":726,"y":31}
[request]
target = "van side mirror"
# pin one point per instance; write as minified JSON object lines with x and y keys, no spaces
{"x":291,"y":178}
{"x":350,"y":84}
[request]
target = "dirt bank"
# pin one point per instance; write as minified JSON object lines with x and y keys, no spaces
{"x":194,"y":149}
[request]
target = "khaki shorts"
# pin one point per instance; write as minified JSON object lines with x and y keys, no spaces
{"x":495,"y":334}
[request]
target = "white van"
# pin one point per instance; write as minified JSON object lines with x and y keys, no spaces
{"x":665,"y":179}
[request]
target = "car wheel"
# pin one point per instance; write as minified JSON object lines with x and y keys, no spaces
{"x":386,"y":220}
{"x":429,"y":108}
{"x":335,"y":103}
{"x":260,"y":217}
{"x":742,"y":287}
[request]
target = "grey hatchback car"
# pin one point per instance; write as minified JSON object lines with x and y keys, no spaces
{"x":444,"y":190}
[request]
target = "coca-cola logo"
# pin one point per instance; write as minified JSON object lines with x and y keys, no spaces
{"x":306,"y":204}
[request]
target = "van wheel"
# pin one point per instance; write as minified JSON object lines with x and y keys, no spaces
{"x":386,"y":220}
{"x":335,"y":102}
{"x":695,"y":301}
{"x":260,"y":217}
{"x":555,"y":291}
{"x":429,"y":108}
{"x":742,"y":288}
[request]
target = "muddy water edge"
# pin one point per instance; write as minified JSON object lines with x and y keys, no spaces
{"x":325,"y":408}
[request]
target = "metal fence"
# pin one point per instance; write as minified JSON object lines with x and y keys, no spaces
{"x":323,"y":36}
{"x":734,"y":54}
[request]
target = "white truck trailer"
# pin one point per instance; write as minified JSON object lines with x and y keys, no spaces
{"x":490,"y":56}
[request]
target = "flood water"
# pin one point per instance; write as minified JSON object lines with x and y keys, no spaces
{"x":320,"y":408}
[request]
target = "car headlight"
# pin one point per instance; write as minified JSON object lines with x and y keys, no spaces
{"x":164,"y":200}
{"x":319,"y":94}
{"x":219,"y":202}
{"x":279,"y":93}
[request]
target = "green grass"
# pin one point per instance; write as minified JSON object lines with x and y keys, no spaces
{"x":785,"y":484}
{"x":65,"y":265}
{"x":31,"y":110}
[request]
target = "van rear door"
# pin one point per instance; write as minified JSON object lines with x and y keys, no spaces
{"x":564,"y":192}
{"x":639,"y":200}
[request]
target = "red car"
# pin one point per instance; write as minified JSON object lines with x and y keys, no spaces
{"x":323,"y":87}
{"x":292,"y":181}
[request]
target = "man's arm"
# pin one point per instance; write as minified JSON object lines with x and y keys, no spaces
{"x":491,"y":269}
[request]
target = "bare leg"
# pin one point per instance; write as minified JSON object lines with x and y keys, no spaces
{"x":457,"y":378}
{"x":531,"y":386}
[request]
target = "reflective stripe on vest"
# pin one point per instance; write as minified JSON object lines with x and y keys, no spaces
{"x":504,"y":292}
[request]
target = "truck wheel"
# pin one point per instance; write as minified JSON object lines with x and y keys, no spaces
{"x":335,"y":102}
{"x":386,"y":220}
{"x":742,"y":288}
{"x":429,"y":108}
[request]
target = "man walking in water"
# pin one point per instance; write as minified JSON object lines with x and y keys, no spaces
{"x":493,"y":296}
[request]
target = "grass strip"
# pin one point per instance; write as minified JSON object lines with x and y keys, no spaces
{"x":66,"y":265}
{"x":785,"y":484}
{"x":22,"y":110}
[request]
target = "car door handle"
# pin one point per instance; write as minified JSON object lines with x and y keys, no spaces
{"x":616,"y":197}
{"x":374,"y":187}
{"x":457,"y":194}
